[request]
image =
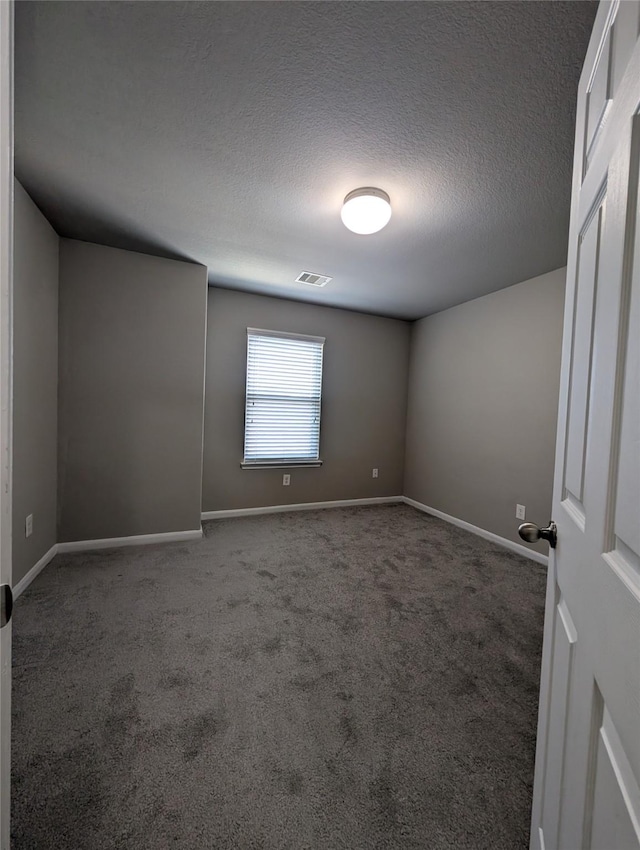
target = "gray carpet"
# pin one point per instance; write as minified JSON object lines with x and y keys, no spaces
{"x":351,"y":678}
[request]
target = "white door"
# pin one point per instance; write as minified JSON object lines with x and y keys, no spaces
{"x":6,"y":251}
{"x":586,"y":790}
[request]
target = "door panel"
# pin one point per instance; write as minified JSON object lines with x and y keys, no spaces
{"x":615,"y":816}
{"x":623,"y":521}
{"x":625,"y":28}
{"x":598,"y":96}
{"x":561,"y":675}
{"x":581,"y":362}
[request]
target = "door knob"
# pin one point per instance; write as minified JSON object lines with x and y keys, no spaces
{"x":6,"y":604}
{"x":530,"y":532}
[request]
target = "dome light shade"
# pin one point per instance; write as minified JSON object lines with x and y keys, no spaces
{"x":366,"y":210}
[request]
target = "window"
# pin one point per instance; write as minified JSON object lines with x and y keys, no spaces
{"x":284,"y":387}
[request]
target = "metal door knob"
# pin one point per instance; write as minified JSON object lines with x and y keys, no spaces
{"x":530,"y":532}
{"x":6,"y":604}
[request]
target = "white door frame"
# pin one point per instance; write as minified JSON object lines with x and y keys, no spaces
{"x":6,"y":394}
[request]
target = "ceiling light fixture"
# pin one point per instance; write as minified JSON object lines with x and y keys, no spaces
{"x":366,"y":210}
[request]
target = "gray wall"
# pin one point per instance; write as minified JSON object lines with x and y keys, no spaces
{"x":483,"y":397}
{"x":363,"y":403}
{"x":132,"y":337}
{"x":35,"y":383}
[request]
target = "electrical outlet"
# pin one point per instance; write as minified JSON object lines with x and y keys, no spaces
{"x":286,"y":480}
{"x":520,"y":511}
{"x":28,"y":526}
{"x":375,"y":473}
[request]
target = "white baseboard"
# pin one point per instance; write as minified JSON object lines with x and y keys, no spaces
{"x":134,"y":540}
{"x":26,"y":580}
{"x":474,"y":529}
{"x":106,"y":543}
{"x":303,"y":506}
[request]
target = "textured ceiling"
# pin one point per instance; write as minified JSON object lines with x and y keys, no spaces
{"x":229,"y":133}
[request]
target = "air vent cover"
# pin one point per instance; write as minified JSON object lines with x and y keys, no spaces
{"x":312,"y":279}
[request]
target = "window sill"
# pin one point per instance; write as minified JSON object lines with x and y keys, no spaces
{"x":279,"y":464}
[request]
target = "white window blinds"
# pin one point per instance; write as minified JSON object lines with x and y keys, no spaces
{"x":284,"y":387}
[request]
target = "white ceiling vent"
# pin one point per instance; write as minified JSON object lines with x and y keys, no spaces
{"x":312,"y":279}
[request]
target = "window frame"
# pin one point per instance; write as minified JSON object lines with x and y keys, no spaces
{"x":282,"y":463}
